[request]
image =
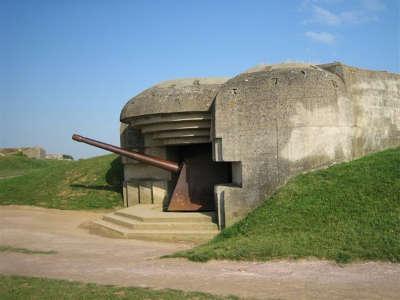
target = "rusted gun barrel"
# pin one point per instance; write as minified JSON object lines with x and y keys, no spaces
{"x":150,"y":160}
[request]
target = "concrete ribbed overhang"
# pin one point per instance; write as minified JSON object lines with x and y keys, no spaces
{"x":173,"y":96}
{"x":174,"y":112}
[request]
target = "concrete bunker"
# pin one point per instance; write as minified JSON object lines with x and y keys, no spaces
{"x":244,"y":137}
{"x":173,"y":120}
{"x":266,"y":124}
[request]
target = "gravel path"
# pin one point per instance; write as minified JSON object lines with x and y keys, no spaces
{"x":84,"y":257}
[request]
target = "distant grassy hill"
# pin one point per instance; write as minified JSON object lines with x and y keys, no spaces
{"x":348,"y":212}
{"x":83,"y":184}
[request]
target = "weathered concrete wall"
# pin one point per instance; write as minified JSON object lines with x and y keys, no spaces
{"x":278,"y":121}
{"x":175,"y":112}
{"x":142,"y":183}
{"x":31,"y":152}
{"x":375,"y":99}
{"x":59,"y":156}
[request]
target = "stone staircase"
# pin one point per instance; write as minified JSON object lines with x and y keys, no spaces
{"x":149,"y":222}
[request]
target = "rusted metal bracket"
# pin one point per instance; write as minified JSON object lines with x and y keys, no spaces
{"x":181,"y":200}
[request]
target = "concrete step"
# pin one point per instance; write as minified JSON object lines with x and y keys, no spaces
{"x":108,"y":229}
{"x":105,"y":228}
{"x":153,"y":214}
{"x":139,"y":225}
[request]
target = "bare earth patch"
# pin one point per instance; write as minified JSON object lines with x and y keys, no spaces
{"x":88,"y":258}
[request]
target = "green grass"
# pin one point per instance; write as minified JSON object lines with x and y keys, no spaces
{"x":15,"y":165}
{"x":5,"y":248}
{"x":84,"y":184}
{"x":17,"y":287}
{"x":348,"y":212}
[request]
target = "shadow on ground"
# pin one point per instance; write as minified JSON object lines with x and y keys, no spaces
{"x":117,"y":189}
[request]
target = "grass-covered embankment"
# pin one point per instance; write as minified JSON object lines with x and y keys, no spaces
{"x":18,"y":164}
{"x":18,"y":287}
{"x":83,"y":184}
{"x":347,"y":212}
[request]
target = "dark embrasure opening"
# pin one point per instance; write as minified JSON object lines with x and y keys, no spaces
{"x":200,"y":176}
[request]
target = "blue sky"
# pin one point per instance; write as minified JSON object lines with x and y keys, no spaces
{"x":70,"y":66}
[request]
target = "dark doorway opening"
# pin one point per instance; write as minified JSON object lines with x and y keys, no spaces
{"x":194,"y":189}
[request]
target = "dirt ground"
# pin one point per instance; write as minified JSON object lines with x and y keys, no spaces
{"x":89,"y":258}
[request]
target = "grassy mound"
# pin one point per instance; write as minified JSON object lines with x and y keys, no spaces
{"x":18,"y":164}
{"x":348,"y":212}
{"x":83,"y":184}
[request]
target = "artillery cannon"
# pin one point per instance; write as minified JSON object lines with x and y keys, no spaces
{"x":148,"y":159}
{"x":194,"y":187}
